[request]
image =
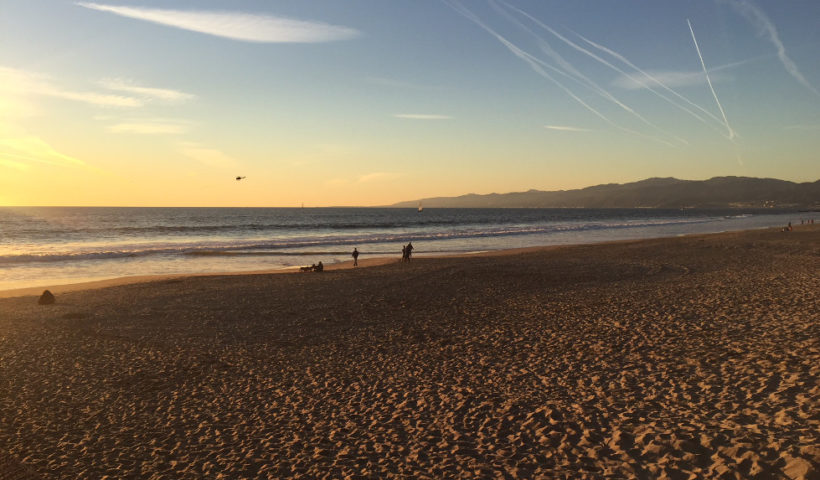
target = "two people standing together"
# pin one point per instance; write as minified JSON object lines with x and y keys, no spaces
{"x":406,"y":251}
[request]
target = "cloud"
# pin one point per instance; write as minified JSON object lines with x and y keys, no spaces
{"x":209,"y":156}
{"x":28,"y":83}
{"x":160,"y":127}
{"x":677,"y":79}
{"x":422,"y":116}
{"x":377,"y":176}
{"x":566,"y":128}
{"x":234,"y":25}
{"x":765,"y":28}
{"x":27,"y":149}
{"x":163,"y":94}
{"x":4,"y":162}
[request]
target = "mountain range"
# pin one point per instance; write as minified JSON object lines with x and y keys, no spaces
{"x":717,"y":192}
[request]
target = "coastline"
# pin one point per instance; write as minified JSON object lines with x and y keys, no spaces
{"x":693,"y":356}
{"x":133,"y":279}
{"x":172,"y":242}
{"x":60,"y":288}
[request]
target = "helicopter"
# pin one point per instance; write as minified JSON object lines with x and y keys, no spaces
{"x":239,"y":178}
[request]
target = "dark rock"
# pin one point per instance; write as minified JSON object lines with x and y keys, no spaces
{"x":47,"y":298}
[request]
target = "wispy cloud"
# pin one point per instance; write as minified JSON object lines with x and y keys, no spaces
{"x":709,"y":82}
{"x":422,"y":116}
{"x":234,"y":25}
{"x":29,"y":83}
{"x":4,"y":162}
{"x":152,"y":93}
{"x":566,"y":128}
{"x":677,"y":79}
{"x":206,"y":155}
{"x":765,"y":28}
{"x":377,"y":176}
{"x":17,"y":152}
{"x":150,"y":127}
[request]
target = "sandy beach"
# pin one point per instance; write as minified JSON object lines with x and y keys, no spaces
{"x":689,"y":357}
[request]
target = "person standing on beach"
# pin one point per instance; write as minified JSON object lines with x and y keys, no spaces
{"x":403,"y":253}
{"x":409,"y":250}
{"x":355,"y":257}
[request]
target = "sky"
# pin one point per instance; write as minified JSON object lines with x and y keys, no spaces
{"x":372,"y":102}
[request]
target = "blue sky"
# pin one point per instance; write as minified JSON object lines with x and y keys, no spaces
{"x":373,"y":102}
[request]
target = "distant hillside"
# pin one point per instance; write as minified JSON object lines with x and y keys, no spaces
{"x":651,"y":193}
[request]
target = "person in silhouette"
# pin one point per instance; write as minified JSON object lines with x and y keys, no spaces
{"x":403,"y":253}
{"x":319,"y":267}
{"x":355,"y":257}
{"x":409,"y":250}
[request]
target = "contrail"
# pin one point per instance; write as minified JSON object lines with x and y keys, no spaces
{"x":617,"y":69}
{"x":536,"y":65}
{"x":709,"y":81}
{"x":533,"y":62}
{"x":765,"y":27}
{"x":589,"y":83}
{"x":650,"y":77}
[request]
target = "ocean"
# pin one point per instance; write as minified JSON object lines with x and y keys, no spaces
{"x":58,"y":245}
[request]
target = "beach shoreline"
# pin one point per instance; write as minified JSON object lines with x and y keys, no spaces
{"x":42,"y":250}
{"x":682,"y":357}
{"x":365,"y":262}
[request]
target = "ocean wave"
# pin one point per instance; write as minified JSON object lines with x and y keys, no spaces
{"x":149,"y":230}
{"x":315,"y":245}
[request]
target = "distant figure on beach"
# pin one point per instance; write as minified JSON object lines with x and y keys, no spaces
{"x":319,"y":267}
{"x":409,"y":250}
{"x":355,"y":257}
{"x":404,"y":253}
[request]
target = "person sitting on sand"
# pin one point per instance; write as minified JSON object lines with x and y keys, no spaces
{"x":319,"y":267}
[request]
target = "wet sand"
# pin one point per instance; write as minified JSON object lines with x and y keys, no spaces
{"x":674,"y":358}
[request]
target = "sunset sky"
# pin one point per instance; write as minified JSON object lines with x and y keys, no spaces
{"x":371,"y":102}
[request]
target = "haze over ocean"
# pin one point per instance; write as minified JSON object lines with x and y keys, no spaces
{"x":52,"y":245}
